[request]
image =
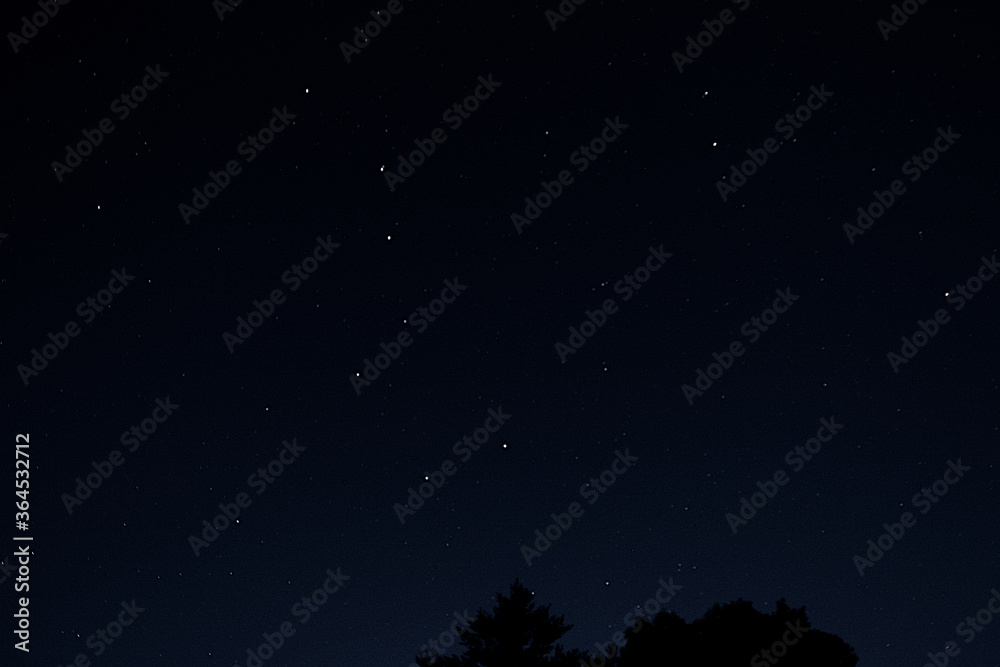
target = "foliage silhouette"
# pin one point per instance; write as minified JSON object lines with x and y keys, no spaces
{"x":514,"y":633}
{"x":519,"y":634}
{"x":733,"y":634}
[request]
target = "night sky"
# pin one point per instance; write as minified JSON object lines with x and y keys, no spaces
{"x":401,"y":300}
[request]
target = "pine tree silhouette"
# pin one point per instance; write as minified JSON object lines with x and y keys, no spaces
{"x":515,"y":633}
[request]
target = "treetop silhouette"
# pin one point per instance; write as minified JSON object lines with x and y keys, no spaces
{"x":517,"y":633}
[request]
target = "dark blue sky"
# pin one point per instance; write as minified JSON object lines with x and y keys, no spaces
{"x":211,"y":279}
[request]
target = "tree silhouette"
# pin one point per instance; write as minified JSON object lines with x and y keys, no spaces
{"x":519,"y":634}
{"x":514,"y":633}
{"x":732,"y":634}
